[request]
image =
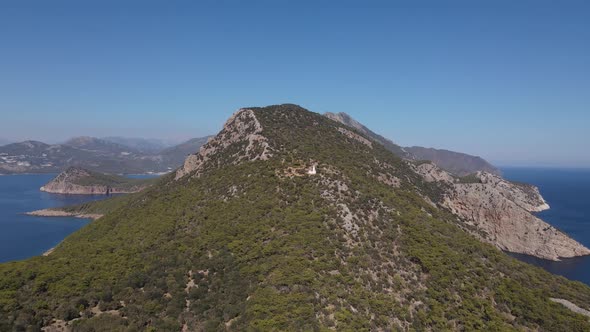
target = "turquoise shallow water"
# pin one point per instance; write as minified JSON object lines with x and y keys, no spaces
{"x":568,"y":193}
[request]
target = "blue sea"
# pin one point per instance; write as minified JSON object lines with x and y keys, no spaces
{"x":568,"y":193}
{"x":23,"y":236}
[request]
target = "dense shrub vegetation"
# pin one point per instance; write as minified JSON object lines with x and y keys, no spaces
{"x":249,"y":247}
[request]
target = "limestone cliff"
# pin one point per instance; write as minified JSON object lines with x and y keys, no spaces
{"x":333,"y":232}
{"x":79,"y":181}
{"x":501,"y":212}
{"x":240,"y":134}
{"x":495,"y":210}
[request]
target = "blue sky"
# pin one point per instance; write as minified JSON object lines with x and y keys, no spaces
{"x":507,"y":80}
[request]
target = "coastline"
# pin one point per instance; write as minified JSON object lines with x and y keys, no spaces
{"x":61,"y":213}
{"x":48,"y":252}
{"x":91,"y":191}
{"x":121,"y":174}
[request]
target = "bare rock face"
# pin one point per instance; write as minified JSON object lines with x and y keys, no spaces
{"x":493,"y":209}
{"x":64,"y":183}
{"x":431,"y":173}
{"x":79,"y":181}
{"x":457,"y":163}
{"x":62,"y":213}
{"x":242,"y":128}
{"x":524,"y":195}
{"x":356,"y":137}
{"x":74,"y":189}
{"x":501,"y":211}
{"x":349,"y":121}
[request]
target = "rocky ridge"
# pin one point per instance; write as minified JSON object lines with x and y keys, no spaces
{"x":242,"y":129}
{"x":502,"y":213}
{"x":496,"y":210}
{"x":240,"y":243}
{"x":79,"y":181}
{"x":347,"y":120}
{"x":457,"y":163}
{"x":91,"y":153}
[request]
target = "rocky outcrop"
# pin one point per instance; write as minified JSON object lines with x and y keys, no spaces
{"x":495,"y":210}
{"x":100,"y":155}
{"x":242,"y":128}
{"x":432,"y":173}
{"x":62,"y":213}
{"x":79,"y":181}
{"x":456,"y":163}
{"x":348,"y":121}
{"x":501,"y":211}
{"x":571,"y":306}
{"x":356,"y":137}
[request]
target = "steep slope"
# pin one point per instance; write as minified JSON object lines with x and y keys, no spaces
{"x":80,"y":181}
{"x":38,"y":157}
{"x":457,"y":163}
{"x":244,"y":238}
{"x":500,"y":212}
{"x":178,"y":153}
{"x":349,"y":121}
{"x":240,"y":135}
{"x":495,"y":210}
{"x":491,"y":208}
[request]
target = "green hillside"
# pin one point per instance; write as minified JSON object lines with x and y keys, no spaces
{"x":260,"y":246}
{"x":77,"y":180}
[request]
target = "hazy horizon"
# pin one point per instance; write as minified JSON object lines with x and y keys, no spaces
{"x":172,"y":141}
{"x":502,"y":80}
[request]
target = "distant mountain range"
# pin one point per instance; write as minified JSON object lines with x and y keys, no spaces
{"x":80,"y":181}
{"x":96,"y":154}
{"x":146,"y":145}
{"x":289,"y":221}
{"x":141,"y":155}
{"x":458,"y":163}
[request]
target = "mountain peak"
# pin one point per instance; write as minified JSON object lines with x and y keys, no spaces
{"x":242,"y":133}
{"x":348,"y":120}
{"x":301,"y":139}
{"x":288,"y":220}
{"x":258,"y":133}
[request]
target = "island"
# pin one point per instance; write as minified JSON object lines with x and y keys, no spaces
{"x":80,"y":181}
